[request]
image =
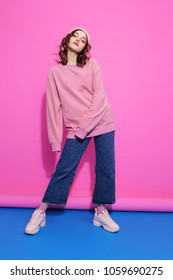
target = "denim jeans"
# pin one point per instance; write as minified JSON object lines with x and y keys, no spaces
{"x":61,"y":180}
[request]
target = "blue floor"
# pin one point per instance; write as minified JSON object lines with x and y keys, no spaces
{"x":70,"y":235}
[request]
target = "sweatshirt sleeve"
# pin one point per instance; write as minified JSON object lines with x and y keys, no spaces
{"x":98,"y":105}
{"x":53,"y":114}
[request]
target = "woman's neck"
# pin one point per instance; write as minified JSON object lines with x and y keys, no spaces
{"x":71,"y":57}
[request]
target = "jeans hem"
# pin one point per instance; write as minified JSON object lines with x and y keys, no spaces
{"x":101,"y":202}
{"x":57,"y":203}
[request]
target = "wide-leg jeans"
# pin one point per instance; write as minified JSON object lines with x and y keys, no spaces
{"x":62,"y":178}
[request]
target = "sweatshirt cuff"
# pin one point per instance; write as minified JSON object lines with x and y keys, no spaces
{"x":56,"y":147}
{"x":81,"y":133}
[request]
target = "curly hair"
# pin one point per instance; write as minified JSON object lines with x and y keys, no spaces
{"x":82,"y":57}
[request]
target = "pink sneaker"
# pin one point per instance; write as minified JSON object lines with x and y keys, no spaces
{"x":105,"y":220}
{"x":37,"y":221}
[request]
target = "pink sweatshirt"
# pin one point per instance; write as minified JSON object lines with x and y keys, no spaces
{"x":76,"y":96}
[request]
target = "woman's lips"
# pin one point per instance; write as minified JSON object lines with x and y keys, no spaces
{"x":75,"y":43}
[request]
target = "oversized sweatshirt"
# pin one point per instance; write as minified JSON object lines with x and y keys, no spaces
{"x":76,"y":96}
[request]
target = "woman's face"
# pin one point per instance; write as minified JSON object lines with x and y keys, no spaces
{"x":77,"y":41}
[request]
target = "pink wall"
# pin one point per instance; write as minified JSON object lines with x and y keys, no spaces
{"x":132,"y":40}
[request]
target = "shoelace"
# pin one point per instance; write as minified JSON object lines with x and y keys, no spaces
{"x":34,"y":218}
{"x":107,"y":214}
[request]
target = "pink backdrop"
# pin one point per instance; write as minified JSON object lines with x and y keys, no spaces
{"x":133,"y":42}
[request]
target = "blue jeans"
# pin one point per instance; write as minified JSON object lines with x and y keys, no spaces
{"x":61,"y":180}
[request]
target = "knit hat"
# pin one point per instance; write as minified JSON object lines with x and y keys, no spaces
{"x":80,"y":28}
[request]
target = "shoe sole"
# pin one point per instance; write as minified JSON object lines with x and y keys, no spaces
{"x":98,"y":224}
{"x":37,"y":229}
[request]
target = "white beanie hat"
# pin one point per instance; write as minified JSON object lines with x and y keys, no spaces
{"x":80,"y":28}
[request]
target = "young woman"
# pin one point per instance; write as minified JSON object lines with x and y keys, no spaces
{"x":75,"y":94}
